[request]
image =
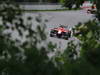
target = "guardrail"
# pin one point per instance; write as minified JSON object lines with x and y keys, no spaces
{"x":48,"y":6}
{"x":39,"y":5}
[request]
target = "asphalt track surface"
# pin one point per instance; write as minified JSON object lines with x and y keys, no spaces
{"x":55,"y":18}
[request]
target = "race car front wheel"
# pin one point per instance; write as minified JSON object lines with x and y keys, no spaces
{"x":59,"y":35}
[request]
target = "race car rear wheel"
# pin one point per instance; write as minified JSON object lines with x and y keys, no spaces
{"x":51,"y":35}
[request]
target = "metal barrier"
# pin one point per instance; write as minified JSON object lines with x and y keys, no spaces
{"x":41,"y":6}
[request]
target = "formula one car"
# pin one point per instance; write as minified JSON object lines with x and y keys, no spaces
{"x":61,"y":32}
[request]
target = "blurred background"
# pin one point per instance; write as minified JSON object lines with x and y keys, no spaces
{"x":27,"y":48}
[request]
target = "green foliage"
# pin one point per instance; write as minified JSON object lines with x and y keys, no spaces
{"x":89,"y":30}
{"x":98,"y":9}
{"x":89,"y":35}
{"x":70,"y":3}
{"x":29,"y":57}
{"x":53,"y":1}
{"x":12,"y":10}
{"x":61,"y":1}
{"x":78,"y":3}
{"x":82,"y":58}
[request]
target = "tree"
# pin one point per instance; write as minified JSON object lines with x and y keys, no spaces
{"x":98,"y":9}
{"x":83,"y":57}
{"x":88,"y":61}
{"x":78,"y":3}
{"x":31,"y":56}
{"x":27,"y":57}
{"x":70,"y":3}
{"x":53,"y":1}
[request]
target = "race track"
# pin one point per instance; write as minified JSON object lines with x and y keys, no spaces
{"x":70,"y":18}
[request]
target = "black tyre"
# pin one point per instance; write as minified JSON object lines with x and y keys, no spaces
{"x":51,"y":35}
{"x":59,"y":35}
{"x":69,"y":34}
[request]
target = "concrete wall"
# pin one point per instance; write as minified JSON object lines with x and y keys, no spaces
{"x":41,"y":7}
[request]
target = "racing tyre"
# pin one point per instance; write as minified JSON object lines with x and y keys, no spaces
{"x":51,"y":35}
{"x":59,"y":35}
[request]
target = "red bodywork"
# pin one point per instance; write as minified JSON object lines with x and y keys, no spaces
{"x":61,"y":29}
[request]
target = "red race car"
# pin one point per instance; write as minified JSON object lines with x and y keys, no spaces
{"x":61,"y":32}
